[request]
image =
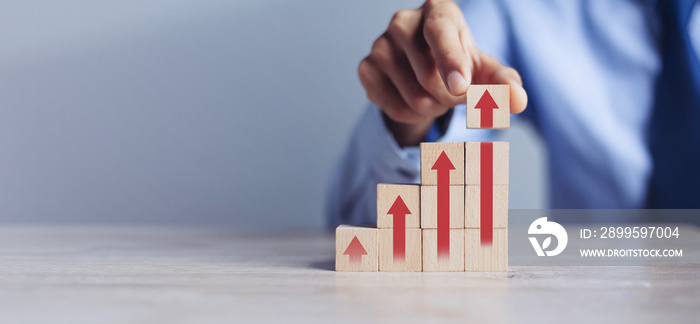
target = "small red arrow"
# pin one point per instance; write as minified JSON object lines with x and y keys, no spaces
{"x":487,"y":105}
{"x":355,"y":250}
{"x":486,"y":193}
{"x":399,"y":210}
{"x":443,"y":165}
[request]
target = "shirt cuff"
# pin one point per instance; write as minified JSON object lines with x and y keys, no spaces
{"x":389,"y":162}
{"x":409,"y":155}
{"x":439,"y":127}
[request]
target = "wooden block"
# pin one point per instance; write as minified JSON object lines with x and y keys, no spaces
{"x":429,"y":153}
{"x":413,"y":252}
{"x":387,"y":195}
{"x":499,"y":161}
{"x":356,"y":248}
{"x":480,"y":257}
{"x":472,"y":206}
{"x":455,"y":261}
{"x":428,"y":206}
{"x":488,"y":99}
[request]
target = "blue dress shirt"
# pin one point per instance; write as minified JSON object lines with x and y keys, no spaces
{"x":589,"y":68}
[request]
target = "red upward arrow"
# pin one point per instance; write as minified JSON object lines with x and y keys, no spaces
{"x":355,"y":250}
{"x":399,"y":210}
{"x":487,"y":105}
{"x":486,"y":193}
{"x":443,"y":165}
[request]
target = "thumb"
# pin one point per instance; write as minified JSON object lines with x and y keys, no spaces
{"x":490,"y":71}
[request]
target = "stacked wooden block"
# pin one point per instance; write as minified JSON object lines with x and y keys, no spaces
{"x":456,"y":219}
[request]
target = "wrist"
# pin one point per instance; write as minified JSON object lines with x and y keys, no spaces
{"x":408,"y":134}
{"x":412,"y":135}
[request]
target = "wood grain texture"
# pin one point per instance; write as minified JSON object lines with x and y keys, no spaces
{"x":472,"y":208}
{"x":429,"y":152}
{"x":500,"y":94}
{"x":492,"y":257}
{"x":194,"y":274}
{"x":387,"y":194}
{"x":428,"y":206}
{"x":455,"y":262}
{"x":472,"y":163}
{"x":368,"y":237}
{"x":414,"y":251}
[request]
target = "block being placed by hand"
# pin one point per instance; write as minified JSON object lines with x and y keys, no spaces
{"x":486,"y":257}
{"x":452,"y":162}
{"x":453,"y":261}
{"x":484,"y":158}
{"x":488,"y":106}
{"x":429,"y":202}
{"x":397,"y":254}
{"x":389,"y":205}
{"x":356,"y":248}
{"x":473,"y":209}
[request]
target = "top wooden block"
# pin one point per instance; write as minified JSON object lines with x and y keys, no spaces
{"x":429,"y":153}
{"x":488,"y":106}
{"x":387,"y":195}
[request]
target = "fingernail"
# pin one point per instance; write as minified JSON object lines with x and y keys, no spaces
{"x":455,"y":81}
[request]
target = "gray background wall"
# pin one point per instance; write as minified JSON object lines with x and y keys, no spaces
{"x":189,"y":112}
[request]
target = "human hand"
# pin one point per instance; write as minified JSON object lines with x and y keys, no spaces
{"x":422,"y":66}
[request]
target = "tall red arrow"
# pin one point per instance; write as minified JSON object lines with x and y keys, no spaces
{"x":486,"y":204}
{"x":399,"y":210}
{"x":487,"y":105}
{"x":443,"y":165}
{"x":355,"y":250}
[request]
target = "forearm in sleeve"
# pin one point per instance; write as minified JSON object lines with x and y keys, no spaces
{"x":372,"y":157}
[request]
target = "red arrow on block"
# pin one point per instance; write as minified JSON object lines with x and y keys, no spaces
{"x":443,"y":165}
{"x":486,"y":192}
{"x":399,"y":210}
{"x":487,"y":105}
{"x":355,"y":250}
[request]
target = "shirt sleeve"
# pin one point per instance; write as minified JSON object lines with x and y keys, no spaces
{"x":372,"y":157}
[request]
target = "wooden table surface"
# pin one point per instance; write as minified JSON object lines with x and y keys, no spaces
{"x":118,"y":274}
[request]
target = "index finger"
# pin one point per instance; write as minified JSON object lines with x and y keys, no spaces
{"x":443,"y":25}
